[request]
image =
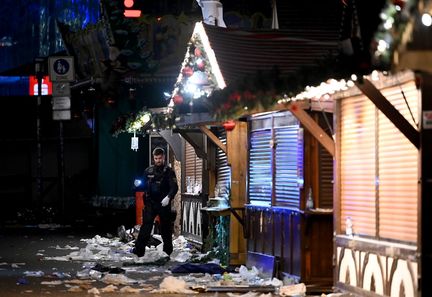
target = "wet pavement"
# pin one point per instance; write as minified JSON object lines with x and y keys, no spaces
{"x":32,"y":263}
{"x":64,"y":261}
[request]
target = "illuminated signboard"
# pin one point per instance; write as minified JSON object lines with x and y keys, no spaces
{"x":131,"y":13}
{"x":46,"y":86}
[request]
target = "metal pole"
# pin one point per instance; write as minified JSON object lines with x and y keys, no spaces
{"x":39,"y":184}
{"x":61,"y":169}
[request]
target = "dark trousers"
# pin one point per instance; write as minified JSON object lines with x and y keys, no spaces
{"x":166,"y":228}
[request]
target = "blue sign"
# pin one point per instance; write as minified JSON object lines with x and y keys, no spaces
{"x":61,"y":69}
{"x":61,"y":66}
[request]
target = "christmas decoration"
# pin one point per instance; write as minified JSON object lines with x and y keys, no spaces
{"x":187,"y":71}
{"x":229,"y":125}
{"x":143,"y":122}
{"x":199,"y":75}
{"x":177,"y":99}
{"x":395,"y":17}
{"x":134,"y":142}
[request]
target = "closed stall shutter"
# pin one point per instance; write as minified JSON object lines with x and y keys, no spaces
{"x":398,"y":165}
{"x":193,"y":165}
{"x":325,"y":161}
{"x":288,"y":165}
{"x":357,"y":164}
{"x":223,"y":170}
{"x":325,"y":178}
{"x":260,"y":171}
{"x":379,"y":166}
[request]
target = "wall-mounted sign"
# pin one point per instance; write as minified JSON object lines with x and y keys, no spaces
{"x":61,"y":69}
{"x":131,"y":13}
{"x":61,"y":89}
{"x":46,"y":86}
{"x":61,"y":103}
{"x":61,"y":115}
{"x":427,"y":119}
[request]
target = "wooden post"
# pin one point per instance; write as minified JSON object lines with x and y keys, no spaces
{"x":237,"y":148}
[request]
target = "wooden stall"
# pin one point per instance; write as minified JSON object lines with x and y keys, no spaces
{"x":377,"y":187}
{"x":287,"y":167}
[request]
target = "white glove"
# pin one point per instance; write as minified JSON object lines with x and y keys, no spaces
{"x":165,"y":201}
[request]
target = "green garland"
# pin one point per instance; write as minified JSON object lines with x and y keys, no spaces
{"x":398,"y":13}
{"x":262,"y":90}
{"x":134,"y":123}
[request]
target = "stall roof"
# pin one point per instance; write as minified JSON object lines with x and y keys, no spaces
{"x":240,"y":53}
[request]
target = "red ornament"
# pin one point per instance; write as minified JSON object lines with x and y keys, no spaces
{"x":187,"y":71}
{"x":400,"y":3}
{"x":201,"y":64}
{"x":197,"y":52}
{"x":229,"y":125}
{"x":178,"y":99}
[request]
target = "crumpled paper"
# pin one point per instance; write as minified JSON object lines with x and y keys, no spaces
{"x":171,"y":284}
{"x":293,"y":290}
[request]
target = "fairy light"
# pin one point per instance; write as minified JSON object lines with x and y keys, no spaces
{"x":325,"y":90}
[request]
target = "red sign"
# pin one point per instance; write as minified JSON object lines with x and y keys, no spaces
{"x":46,"y":86}
{"x":131,"y":13}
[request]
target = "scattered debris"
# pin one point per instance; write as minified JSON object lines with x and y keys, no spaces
{"x":293,"y":290}
{"x":93,"y":291}
{"x":172,"y":285}
{"x":128,"y":289}
{"x":109,"y":289}
{"x":52,"y":283}
{"x":34,"y":273}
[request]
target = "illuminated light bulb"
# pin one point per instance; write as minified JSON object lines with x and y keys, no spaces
{"x":145,"y":118}
{"x":426,"y":19}
{"x":374,"y":75}
{"x":354,"y":77}
{"x":388,"y":24}
{"x":382,"y":46}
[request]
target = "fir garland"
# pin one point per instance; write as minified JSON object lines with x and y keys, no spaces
{"x":143,"y":122}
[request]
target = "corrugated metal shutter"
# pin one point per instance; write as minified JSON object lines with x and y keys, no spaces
{"x":260,"y":167}
{"x":325,"y":178}
{"x":223,"y":170}
{"x":193,"y":165}
{"x":325,"y":163}
{"x":357,"y":164}
{"x":379,"y":167}
{"x":398,"y":170}
{"x":288,"y":165}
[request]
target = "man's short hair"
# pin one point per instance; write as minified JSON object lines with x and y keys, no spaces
{"x":158,"y":151}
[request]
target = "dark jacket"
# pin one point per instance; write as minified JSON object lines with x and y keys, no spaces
{"x":161,"y":182}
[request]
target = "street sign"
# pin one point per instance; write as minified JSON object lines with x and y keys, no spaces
{"x":61,"y":69}
{"x":60,"y":115}
{"x":46,"y":86}
{"x":61,"y":89}
{"x":61,"y":103}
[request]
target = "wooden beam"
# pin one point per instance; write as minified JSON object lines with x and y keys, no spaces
{"x":389,"y":111}
{"x":213,"y":138}
{"x":196,"y":141}
{"x":313,"y":127}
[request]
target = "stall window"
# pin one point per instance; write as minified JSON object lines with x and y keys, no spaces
{"x":223,"y":176}
{"x":193,"y":169}
{"x":275,"y":160}
{"x":379,"y":167}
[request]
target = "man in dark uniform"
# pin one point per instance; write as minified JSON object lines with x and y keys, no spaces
{"x":160,"y":189}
